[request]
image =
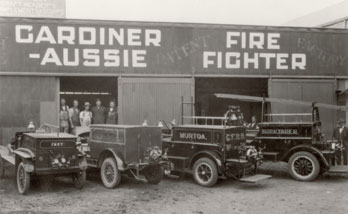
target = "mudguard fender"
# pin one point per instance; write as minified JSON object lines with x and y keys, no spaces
{"x":27,"y":156}
{"x":24,"y":153}
{"x":307,"y":148}
{"x":211,"y":154}
{"x":119,"y":161}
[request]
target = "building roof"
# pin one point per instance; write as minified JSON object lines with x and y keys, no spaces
{"x":322,"y":18}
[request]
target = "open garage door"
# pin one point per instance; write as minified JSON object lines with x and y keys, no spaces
{"x":323,"y":91}
{"x":153,"y":99}
{"x":207,"y":104}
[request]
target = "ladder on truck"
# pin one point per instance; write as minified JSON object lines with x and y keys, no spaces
{"x":198,"y":120}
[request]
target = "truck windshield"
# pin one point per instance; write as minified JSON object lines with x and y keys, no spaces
{"x":104,"y":135}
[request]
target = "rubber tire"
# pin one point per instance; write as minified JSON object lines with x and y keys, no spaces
{"x":156,"y":177}
{"x":213,"y":168}
{"x":117,"y":175}
{"x":23,"y":190}
{"x":316,"y":166}
{"x":79,"y":179}
{"x":2,"y":168}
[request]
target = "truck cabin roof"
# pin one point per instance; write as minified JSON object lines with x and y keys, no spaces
{"x":216,"y":127}
{"x":50,"y":135}
{"x":117,"y":126}
{"x":285,"y":123}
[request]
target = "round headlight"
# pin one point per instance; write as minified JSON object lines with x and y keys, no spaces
{"x":63,"y":160}
{"x":251,"y":152}
{"x":155,"y":153}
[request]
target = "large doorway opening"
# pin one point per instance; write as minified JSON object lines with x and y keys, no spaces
{"x":206,"y":104}
{"x":88,"y":89}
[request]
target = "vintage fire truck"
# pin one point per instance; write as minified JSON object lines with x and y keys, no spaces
{"x":131,"y":150}
{"x":43,"y":153}
{"x":210,"y":152}
{"x":296,"y":138}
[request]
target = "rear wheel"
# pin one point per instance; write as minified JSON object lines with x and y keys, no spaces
{"x":23,"y":179}
{"x":2,"y":168}
{"x":79,"y":179}
{"x":205,"y":172}
{"x":109,"y":173}
{"x":304,"y":166}
{"x":153,"y":174}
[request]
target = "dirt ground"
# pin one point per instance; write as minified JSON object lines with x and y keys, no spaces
{"x":281,"y":194}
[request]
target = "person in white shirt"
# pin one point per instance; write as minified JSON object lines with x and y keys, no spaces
{"x":86,"y":115}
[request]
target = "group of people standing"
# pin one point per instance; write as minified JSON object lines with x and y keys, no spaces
{"x":70,"y":118}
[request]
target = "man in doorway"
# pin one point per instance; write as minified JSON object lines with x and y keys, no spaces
{"x":341,"y":134}
{"x":99,"y":113}
{"x":112,"y":117}
{"x":63,"y":117}
{"x":253,"y":124}
{"x":74,"y":116}
{"x":86,"y":115}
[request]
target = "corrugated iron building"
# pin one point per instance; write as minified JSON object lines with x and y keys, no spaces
{"x":148,"y":67}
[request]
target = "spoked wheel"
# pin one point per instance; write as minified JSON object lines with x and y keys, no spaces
{"x":153,"y":174}
{"x":79,"y":179}
{"x":23,"y":179}
{"x":2,"y":168}
{"x":109,"y":173}
{"x":205,"y":172}
{"x":304,"y":166}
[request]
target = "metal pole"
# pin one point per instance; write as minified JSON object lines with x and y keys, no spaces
{"x":182,"y":110}
{"x":262,"y":110}
{"x":192,"y":109}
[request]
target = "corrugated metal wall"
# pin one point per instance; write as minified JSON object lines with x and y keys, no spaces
{"x":153,"y":99}
{"x":307,"y":90}
{"x":23,"y":99}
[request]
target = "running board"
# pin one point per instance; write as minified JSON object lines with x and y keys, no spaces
{"x":255,"y":178}
{"x":338,"y":169}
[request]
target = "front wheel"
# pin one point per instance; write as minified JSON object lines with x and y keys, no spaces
{"x":153,"y":174}
{"x":205,"y":172}
{"x":2,"y":168}
{"x":79,"y":179}
{"x":23,"y":179}
{"x":304,"y":166}
{"x":109,"y":173}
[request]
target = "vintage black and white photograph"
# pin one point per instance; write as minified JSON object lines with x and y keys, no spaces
{"x":174,"y":107}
